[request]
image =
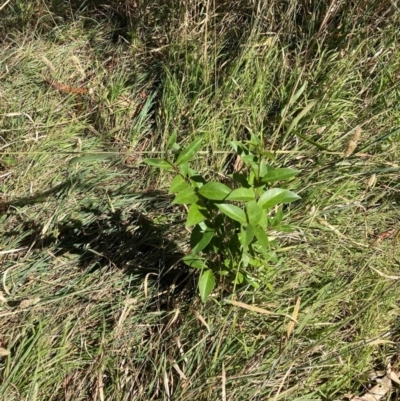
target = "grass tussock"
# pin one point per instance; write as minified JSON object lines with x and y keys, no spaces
{"x":94,"y":303}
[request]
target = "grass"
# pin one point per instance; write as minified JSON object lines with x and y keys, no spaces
{"x":94,"y":302}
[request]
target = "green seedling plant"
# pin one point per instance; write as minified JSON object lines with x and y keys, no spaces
{"x":230,"y":221}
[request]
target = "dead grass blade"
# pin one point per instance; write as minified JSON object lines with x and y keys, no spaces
{"x":352,"y":145}
{"x":256,"y":309}
{"x":294,"y":319}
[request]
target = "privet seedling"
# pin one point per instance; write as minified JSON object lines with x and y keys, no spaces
{"x":229,"y":236}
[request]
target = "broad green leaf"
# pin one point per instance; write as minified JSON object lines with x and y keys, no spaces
{"x":238,"y":147}
{"x":160,"y":163}
{"x":185,"y":197}
{"x":264,"y":221}
{"x":262,"y":238}
{"x":270,"y":257}
{"x":214,"y":191}
{"x":171,"y":141}
{"x":196,"y":215}
{"x":206,"y":284}
{"x":232,"y":211}
{"x":200,"y":239}
{"x":254,"y":212}
{"x":248,"y":159}
{"x":90,"y":158}
{"x":267,"y":257}
{"x":178,"y":184}
{"x":263,"y":168}
{"x":254,"y":284}
{"x":251,"y":177}
{"x":275,"y":196}
{"x":194,"y":261}
{"x":241,"y":194}
{"x":255,"y":262}
{"x":271,"y":174}
{"x":255,"y":168}
{"x":184,"y":169}
{"x":255,"y":140}
{"x":189,"y":152}
{"x":245,"y":259}
{"x":246,"y":236}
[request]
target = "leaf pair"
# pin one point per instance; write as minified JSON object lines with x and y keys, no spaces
{"x":275,"y":196}
{"x":184,"y":156}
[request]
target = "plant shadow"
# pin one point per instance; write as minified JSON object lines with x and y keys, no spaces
{"x":127,"y":240}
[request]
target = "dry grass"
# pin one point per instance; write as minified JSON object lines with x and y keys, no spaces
{"x":94,"y":303}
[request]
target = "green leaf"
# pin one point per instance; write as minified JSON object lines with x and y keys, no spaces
{"x":184,"y":169}
{"x":254,"y":212}
{"x":185,"y":197}
{"x":245,"y":259}
{"x":196,"y":215}
{"x":171,"y":141}
{"x":159,"y":163}
{"x":246,"y":236}
{"x":251,"y":177}
{"x":255,"y":140}
{"x":264,"y":221}
{"x":199,"y":239}
{"x":232,"y":211}
{"x":262,"y":238}
{"x":254,"y":284}
{"x":249,"y":159}
{"x":206,"y":284}
{"x":194,"y":261}
{"x":90,"y":158}
{"x":241,"y":194}
{"x":214,"y":191}
{"x":270,"y":257}
{"x":178,"y":184}
{"x":263,"y":168}
{"x":189,"y":152}
{"x":239,"y":147}
{"x":267,"y":257}
{"x":255,"y":262}
{"x":275,"y":196}
{"x":271,"y":174}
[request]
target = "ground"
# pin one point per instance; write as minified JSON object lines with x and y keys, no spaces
{"x":95,"y":303}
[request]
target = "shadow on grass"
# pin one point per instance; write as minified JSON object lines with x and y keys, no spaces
{"x":129,"y":241}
